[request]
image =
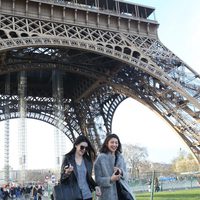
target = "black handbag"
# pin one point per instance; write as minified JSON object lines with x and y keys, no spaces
{"x":122,"y":193}
{"x":65,"y":192}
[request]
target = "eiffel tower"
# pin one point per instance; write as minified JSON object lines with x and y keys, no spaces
{"x":70,"y":63}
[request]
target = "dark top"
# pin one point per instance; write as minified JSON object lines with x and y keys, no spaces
{"x":71,"y":180}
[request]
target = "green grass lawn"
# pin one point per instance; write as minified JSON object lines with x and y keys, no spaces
{"x":193,"y":194}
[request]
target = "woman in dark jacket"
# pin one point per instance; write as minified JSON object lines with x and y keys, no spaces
{"x":76,"y":171}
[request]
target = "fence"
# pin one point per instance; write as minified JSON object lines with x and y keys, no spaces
{"x":165,"y":183}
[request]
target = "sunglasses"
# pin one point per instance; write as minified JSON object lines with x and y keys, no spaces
{"x":83,"y":148}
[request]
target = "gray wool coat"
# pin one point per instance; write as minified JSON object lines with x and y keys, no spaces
{"x":103,"y":169}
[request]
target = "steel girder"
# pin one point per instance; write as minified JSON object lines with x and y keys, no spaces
{"x":97,"y":64}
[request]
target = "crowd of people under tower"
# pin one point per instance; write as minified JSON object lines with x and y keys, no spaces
{"x":17,"y":192}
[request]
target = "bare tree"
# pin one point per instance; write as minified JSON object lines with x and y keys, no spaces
{"x":135,"y":157}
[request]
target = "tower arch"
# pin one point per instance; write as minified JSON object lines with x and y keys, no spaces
{"x":104,"y":57}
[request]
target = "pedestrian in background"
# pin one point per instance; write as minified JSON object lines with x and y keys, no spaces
{"x":156,"y":185}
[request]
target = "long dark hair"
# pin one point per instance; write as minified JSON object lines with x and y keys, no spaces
{"x":90,"y":153}
{"x":104,"y":148}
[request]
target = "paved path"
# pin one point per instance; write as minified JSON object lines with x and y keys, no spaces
{"x":29,"y":198}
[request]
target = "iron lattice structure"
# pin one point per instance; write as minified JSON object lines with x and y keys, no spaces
{"x":104,"y":52}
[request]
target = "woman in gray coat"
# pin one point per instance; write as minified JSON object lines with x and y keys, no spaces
{"x":107,"y":169}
